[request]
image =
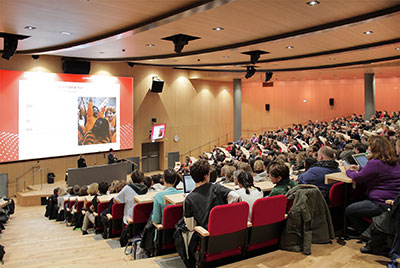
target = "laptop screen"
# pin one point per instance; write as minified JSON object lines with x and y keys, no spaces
{"x":361,"y":159}
{"x":188,"y":183}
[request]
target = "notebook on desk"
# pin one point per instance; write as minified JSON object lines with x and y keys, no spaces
{"x":361,"y":159}
{"x":188,"y":184}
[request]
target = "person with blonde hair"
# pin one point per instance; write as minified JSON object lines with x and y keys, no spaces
{"x":381,"y":177}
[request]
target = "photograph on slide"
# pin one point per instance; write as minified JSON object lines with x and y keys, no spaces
{"x":97,"y":120}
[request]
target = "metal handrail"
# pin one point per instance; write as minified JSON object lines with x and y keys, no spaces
{"x":35,"y":170}
{"x":218,"y":140}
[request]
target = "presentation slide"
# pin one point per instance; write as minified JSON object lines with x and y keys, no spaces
{"x":46,"y":115}
{"x":158,"y":132}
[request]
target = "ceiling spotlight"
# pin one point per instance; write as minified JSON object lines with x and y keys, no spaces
{"x":150,"y":45}
{"x":131,"y":64}
{"x":290,"y":47}
{"x":30,"y":27}
{"x":180,"y":40}
{"x":255,"y":55}
{"x":313,"y":3}
{"x":218,"y":29}
{"x":65,"y":33}
{"x":268,"y":76}
{"x":368,"y":32}
{"x":250,"y":72}
{"x":35,"y":57}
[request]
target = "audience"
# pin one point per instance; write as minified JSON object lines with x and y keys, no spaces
{"x":381,"y":177}
{"x":279,"y":174}
{"x":247,"y":192}
{"x":316,"y":174}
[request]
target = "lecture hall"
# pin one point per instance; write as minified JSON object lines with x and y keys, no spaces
{"x":199,"y":133}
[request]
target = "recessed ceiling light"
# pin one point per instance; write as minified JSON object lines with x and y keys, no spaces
{"x":30,"y":27}
{"x":150,"y":45}
{"x":304,"y":100}
{"x":368,"y":32}
{"x":290,"y":47}
{"x":65,"y":33}
{"x":218,"y":28}
{"x":313,"y":3}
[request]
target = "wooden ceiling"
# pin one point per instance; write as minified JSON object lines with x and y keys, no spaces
{"x":328,"y":39}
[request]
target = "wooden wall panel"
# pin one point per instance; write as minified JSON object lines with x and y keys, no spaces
{"x":197,"y":111}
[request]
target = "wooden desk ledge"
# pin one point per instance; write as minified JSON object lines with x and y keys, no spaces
{"x":95,"y":214}
{"x":286,"y":215}
{"x":390,"y":202}
{"x":74,"y":210}
{"x":398,"y":260}
{"x":109,"y":216}
{"x":249,"y":224}
{"x":129,"y":220}
{"x":158,"y":226}
{"x":203,"y":232}
{"x":83,"y":212}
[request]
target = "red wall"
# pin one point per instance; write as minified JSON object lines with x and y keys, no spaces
{"x":287,"y":104}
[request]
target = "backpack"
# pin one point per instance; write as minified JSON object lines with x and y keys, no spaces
{"x":133,"y":247}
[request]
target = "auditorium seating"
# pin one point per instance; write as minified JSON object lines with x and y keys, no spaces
{"x":226,"y":235}
{"x":171,"y":215}
{"x":267,"y":220}
{"x":141,"y":213}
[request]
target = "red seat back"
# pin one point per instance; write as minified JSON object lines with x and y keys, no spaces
{"x":228,"y":218}
{"x":141,"y":212}
{"x":88,"y":204}
{"x":336,"y":195}
{"x":117,"y":211}
{"x":268,"y":210}
{"x":79,"y":205}
{"x":267,"y":218}
{"x":171,"y":215}
{"x":101,"y":207}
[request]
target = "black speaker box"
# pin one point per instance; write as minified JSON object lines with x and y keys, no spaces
{"x":76,"y":67}
{"x":267,"y":107}
{"x":157,"y":86}
{"x":331,"y":101}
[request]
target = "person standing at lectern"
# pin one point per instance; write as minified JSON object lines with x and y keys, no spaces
{"x":81,"y":162}
{"x":111,"y":157}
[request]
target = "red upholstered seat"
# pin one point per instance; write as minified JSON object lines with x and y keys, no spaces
{"x":117,"y":213}
{"x":227,"y":226}
{"x":141,"y":213}
{"x":267,"y":218}
{"x":171,"y":215}
{"x":100,"y":208}
{"x":336,"y":195}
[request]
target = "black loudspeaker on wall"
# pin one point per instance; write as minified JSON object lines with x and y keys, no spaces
{"x":267,"y":107}
{"x":76,"y":67}
{"x":157,"y":86}
{"x":331,"y":101}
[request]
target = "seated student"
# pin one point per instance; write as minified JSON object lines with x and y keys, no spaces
{"x":134,"y":187}
{"x":279,"y":174}
{"x":263,"y":175}
{"x":213,"y":174}
{"x":96,"y":189}
{"x":248,"y":192}
{"x":381,"y":177}
{"x":116,"y":188}
{"x":316,"y":174}
{"x":198,"y":204}
{"x":157,"y":182}
{"x":170,"y":178}
{"x":148,"y":182}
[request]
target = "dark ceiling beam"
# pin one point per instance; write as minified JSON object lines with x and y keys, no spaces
{"x":186,"y":11}
{"x":394,"y":10}
{"x":328,"y":66}
{"x":310,"y":55}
